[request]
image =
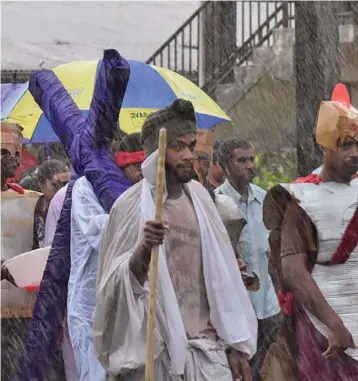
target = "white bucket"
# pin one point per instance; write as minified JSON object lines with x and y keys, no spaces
{"x":27,"y":268}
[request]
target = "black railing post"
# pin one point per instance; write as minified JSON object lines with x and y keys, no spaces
{"x":227,"y":33}
{"x":317,"y":70}
{"x":285,"y":14}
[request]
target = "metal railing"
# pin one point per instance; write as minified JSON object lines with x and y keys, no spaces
{"x":180,"y":52}
{"x":257,"y":29}
{"x":256,"y":21}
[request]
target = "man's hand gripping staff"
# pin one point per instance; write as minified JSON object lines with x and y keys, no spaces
{"x":153,"y":237}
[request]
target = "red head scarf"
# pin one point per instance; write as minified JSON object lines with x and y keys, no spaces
{"x":126,"y":158}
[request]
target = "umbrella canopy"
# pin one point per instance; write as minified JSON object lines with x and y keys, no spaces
{"x":150,"y":88}
{"x":7,"y":89}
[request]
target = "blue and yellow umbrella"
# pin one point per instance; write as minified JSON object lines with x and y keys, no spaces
{"x":150,"y":88}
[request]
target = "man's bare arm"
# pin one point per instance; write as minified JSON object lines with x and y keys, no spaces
{"x":153,"y":236}
{"x":306,"y":291}
{"x":139,"y":263}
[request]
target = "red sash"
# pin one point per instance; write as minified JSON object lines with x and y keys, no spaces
{"x":348,"y":243}
{"x":313,"y":179}
{"x":16,"y":187}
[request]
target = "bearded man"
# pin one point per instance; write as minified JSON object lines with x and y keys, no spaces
{"x":314,"y":225}
{"x":206,"y":327}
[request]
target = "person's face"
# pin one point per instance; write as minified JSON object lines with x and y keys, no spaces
{"x":9,"y":163}
{"x":133,"y":172}
{"x":345,"y":159}
{"x":217,"y":172}
{"x":51,"y":186}
{"x":242,"y":166}
{"x":179,"y":158}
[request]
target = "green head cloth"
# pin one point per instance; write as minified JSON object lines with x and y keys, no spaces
{"x":178,"y":119}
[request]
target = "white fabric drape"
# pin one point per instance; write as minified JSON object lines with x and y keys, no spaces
{"x":121,"y":302}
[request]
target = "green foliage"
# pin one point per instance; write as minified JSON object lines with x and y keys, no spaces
{"x":269,"y":177}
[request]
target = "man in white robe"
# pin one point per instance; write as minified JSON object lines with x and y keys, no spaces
{"x":206,"y":328}
{"x":87,"y":223}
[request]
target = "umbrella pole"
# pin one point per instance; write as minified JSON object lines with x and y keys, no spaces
{"x":149,"y":366}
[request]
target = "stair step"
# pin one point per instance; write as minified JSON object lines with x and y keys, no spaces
{"x":286,"y":36}
{"x":263,"y":55}
{"x":245,"y":77}
{"x":244,"y":73}
{"x":348,"y":33}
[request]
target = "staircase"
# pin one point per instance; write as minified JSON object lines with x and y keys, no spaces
{"x":183,"y":52}
{"x":265,"y":37}
{"x":254,"y":82}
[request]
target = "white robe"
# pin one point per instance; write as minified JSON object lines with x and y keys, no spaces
{"x":121,"y":302}
{"x":87,"y":222}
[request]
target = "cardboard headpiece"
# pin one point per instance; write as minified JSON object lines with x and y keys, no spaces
{"x":11,"y":137}
{"x":337,"y":119}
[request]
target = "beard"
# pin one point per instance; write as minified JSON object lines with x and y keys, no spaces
{"x":182,"y":173}
{"x":351,"y":168}
{"x":347,"y":168}
{"x":8,"y":167}
{"x":137,"y":179}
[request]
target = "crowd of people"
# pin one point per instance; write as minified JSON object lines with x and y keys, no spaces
{"x":222,"y":315}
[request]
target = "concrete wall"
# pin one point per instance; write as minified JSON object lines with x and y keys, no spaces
{"x":266,"y":114}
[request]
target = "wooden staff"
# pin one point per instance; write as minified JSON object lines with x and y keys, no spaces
{"x":149,"y":366}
